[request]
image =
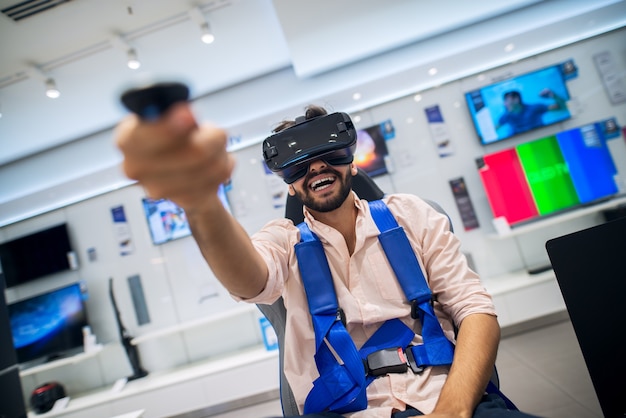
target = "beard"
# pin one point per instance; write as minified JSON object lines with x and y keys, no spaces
{"x":330,"y":203}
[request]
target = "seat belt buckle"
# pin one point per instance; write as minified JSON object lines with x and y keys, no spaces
{"x":389,"y":360}
{"x":340,"y":316}
{"x":412,"y":362}
{"x":415,"y":307}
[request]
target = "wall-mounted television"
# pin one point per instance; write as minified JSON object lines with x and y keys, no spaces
{"x":519,"y":104}
{"x":371,"y":148}
{"x":49,"y":325}
{"x":36,"y":255}
{"x":549,"y":175}
{"x":167,"y":221}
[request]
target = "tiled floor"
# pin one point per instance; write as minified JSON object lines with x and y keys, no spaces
{"x":542,"y":371}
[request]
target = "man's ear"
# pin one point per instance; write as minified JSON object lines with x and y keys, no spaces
{"x":291,"y":190}
{"x":354,"y":169}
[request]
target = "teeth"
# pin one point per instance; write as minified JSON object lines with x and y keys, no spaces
{"x":319,"y":181}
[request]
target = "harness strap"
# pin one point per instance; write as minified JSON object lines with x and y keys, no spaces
{"x":437,"y":350}
{"x":341,"y":382}
{"x":341,"y":386}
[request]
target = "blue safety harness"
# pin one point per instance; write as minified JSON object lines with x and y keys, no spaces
{"x":345,"y":371}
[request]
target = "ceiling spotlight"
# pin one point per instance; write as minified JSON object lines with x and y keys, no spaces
{"x":509,"y":47}
{"x":133,"y":61}
{"x":432,"y":71}
{"x":51,"y":89}
{"x":417,"y":97}
{"x":207,"y":36}
{"x":356,"y":96}
{"x":198,"y":17}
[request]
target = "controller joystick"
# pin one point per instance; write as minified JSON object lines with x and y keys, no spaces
{"x":151,"y":101}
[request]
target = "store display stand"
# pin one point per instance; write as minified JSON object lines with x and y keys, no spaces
{"x":126,"y":338}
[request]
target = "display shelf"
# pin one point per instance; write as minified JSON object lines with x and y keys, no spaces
{"x":77,"y":358}
{"x":514,"y":281}
{"x":155,"y":391}
{"x":246,"y":309}
{"x":553,"y":220}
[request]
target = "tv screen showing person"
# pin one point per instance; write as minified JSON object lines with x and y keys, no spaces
{"x":520,"y":104}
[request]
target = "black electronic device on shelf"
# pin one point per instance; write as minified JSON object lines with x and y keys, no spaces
{"x":49,"y":325}
{"x":36,"y":255}
{"x":125,"y":338}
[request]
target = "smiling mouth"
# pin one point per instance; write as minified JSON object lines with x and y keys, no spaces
{"x":323,"y":183}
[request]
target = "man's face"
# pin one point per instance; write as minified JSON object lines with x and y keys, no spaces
{"x":511,"y":102}
{"x":325,"y":187}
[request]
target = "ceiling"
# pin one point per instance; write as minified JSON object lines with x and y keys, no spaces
{"x":268,"y":56}
{"x":73,"y":43}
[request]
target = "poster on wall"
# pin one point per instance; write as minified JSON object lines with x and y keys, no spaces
{"x":611,"y":77}
{"x":464,"y":203}
{"x":569,"y":69}
{"x":122,"y":231}
{"x":371,"y":148}
{"x":610,"y":128}
{"x":439,"y":131}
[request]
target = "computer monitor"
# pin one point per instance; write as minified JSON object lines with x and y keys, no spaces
{"x":589,"y":268}
{"x":49,"y":325}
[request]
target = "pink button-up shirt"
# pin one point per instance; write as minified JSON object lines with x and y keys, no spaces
{"x":369,"y":294}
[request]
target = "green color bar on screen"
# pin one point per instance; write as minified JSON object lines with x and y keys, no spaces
{"x":547,"y":175}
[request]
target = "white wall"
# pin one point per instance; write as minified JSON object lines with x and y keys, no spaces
{"x":175,"y":276}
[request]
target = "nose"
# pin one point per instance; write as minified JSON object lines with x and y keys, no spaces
{"x":317,"y":165}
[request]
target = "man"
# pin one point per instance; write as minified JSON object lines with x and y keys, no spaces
{"x":522,"y":117}
{"x":173,"y":157}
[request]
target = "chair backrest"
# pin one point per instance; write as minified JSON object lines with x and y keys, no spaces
{"x":276,"y":313}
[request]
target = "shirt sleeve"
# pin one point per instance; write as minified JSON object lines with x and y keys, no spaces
{"x":457,"y":289}
{"x":275,"y":243}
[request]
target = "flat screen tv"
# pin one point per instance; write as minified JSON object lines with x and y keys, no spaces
{"x":519,"y":104}
{"x":371,"y":148}
{"x":167,"y":221}
{"x":36,"y":255}
{"x":49,"y":325}
{"x":549,"y":175}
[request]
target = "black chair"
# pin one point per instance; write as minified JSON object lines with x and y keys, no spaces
{"x":276,"y":313}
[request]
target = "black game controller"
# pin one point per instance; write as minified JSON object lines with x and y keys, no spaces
{"x":151,"y":101}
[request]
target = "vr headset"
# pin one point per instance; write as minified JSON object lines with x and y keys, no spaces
{"x":331,"y":138}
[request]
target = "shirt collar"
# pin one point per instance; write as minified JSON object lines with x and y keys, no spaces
{"x":364,"y":222}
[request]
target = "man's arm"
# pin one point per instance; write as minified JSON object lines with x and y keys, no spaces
{"x":472,"y":367}
{"x":175,"y":158}
{"x":559,"y":102}
{"x":227,"y":248}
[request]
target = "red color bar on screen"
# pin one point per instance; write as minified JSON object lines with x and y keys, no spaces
{"x":506,"y":187}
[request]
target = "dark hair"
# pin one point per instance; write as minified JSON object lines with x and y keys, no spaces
{"x":311,"y":111}
{"x":513,"y":94}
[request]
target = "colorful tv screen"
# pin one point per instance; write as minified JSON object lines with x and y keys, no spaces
{"x":49,"y":325}
{"x":519,"y":104}
{"x":371,"y":148}
{"x":167,"y":221}
{"x":549,"y":175}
